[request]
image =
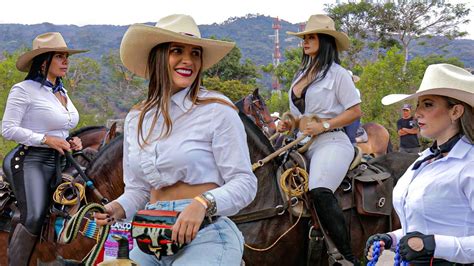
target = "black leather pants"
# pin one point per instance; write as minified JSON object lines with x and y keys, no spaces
{"x":33,"y":173}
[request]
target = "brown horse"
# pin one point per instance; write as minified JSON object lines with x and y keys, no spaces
{"x":378,"y":140}
{"x":291,"y":249}
{"x":255,"y":108}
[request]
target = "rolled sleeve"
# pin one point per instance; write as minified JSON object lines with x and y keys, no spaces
{"x":17,"y":104}
{"x":346,"y":91}
{"x":137,"y":191}
{"x":229,"y":146}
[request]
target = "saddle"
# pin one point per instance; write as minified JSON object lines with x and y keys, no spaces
{"x":366,"y":187}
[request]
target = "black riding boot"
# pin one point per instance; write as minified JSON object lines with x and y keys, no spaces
{"x":21,"y":246}
{"x":332,"y":219}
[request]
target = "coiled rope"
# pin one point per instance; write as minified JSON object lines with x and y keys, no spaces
{"x":64,"y":196}
{"x":297,"y":178}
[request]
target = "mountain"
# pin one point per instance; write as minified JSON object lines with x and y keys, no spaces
{"x":252,"y":34}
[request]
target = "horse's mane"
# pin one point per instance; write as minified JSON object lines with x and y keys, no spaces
{"x":255,"y":134}
{"x":106,"y":149}
{"x":88,"y":128}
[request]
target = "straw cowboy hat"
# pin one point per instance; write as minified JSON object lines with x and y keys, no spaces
{"x":43,"y":43}
{"x":324,"y":24}
{"x":140,"y":39}
{"x":441,"y":79}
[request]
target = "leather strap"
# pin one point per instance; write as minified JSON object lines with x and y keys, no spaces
{"x":260,"y":214}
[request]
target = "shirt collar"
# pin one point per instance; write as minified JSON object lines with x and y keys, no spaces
{"x":459,"y":151}
{"x":182,"y":99}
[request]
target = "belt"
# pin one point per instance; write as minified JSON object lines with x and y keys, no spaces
{"x":334,"y":130}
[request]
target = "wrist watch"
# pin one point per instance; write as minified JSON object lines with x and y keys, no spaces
{"x":211,"y":206}
{"x":326,"y":125}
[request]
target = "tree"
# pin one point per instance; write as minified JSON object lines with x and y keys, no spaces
{"x":9,"y":76}
{"x":278,"y":102}
{"x":231,"y":68}
{"x":286,"y":70}
{"x":234,"y":89}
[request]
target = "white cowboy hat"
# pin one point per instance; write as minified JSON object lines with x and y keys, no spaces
{"x":139,"y":39}
{"x":43,"y":43}
{"x":324,"y":24}
{"x":441,"y":79}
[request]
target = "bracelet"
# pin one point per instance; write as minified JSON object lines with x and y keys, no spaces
{"x":202,"y":201}
{"x":211,"y":203}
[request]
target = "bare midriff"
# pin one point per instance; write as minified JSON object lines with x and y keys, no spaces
{"x":180,"y":190}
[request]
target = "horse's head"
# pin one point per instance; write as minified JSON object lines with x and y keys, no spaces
{"x":254,"y":107}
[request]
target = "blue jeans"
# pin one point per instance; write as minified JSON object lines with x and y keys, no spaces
{"x":220,"y":243}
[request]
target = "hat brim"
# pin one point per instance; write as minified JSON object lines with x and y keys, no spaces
{"x":342,"y":40}
{"x":23,"y":63}
{"x":139,"y":39}
{"x":461,"y":95}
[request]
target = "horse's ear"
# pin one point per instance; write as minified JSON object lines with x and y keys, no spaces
{"x":112,"y":133}
{"x":255,"y":92}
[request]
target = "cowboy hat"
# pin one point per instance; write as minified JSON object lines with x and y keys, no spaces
{"x":43,"y":43}
{"x":325,"y":25}
{"x":441,"y":79}
{"x":139,"y":39}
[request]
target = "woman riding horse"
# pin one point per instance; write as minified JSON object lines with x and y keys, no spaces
{"x":322,"y":87}
{"x":38,"y":115}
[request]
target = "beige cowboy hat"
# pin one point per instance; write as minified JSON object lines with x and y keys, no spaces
{"x":139,"y":39}
{"x":43,"y":43}
{"x":324,"y":24}
{"x":441,"y":79}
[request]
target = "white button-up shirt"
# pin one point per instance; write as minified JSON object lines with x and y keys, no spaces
{"x":329,"y":97}
{"x":33,"y":111}
{"x":438,"y":199}
{"x":208,"y":144}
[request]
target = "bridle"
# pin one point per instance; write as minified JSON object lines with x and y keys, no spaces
{"x":255,"y":107}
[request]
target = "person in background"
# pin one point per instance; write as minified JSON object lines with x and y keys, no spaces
{"x":322,"y":87}
{"x":434,"y":199}
{"x":38,"y":116}
{"x":185,"y":148}
{"x":408,"y":131}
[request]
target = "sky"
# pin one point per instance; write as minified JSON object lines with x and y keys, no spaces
{"x":125,"y":12}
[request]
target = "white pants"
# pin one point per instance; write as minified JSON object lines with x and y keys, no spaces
{"x":330,"y":156}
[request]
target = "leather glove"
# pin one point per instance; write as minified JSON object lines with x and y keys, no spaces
{"x":420,"y":249}
{"x":378,"y":237}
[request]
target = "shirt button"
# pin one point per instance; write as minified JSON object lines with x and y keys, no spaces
{"x":26,"y":148}
{"x":17,"y":158}
{"x":17,"y":166}
{"x":22,"y":153}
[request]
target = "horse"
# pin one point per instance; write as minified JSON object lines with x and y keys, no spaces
{"x":107,"y":173}
{"x":377,"y":142}
{"x":255,"y":108}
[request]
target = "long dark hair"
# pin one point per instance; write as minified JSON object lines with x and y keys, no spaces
{"x":159,"y":93}
{"x":35,"y":69}
{"x":322,"y":62}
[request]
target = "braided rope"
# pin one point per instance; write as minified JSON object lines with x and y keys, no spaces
{"x":73,"y":227}
{"x":397,"y":259}
{"x":375,"y":254}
